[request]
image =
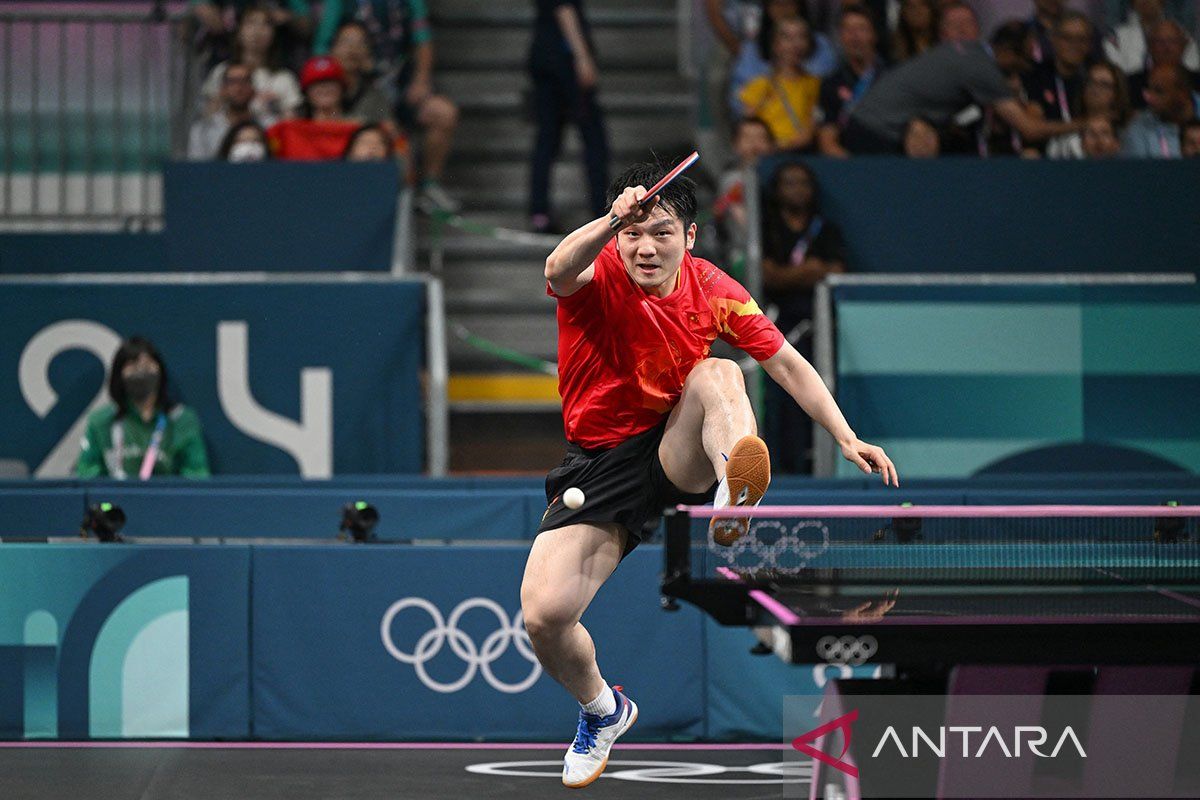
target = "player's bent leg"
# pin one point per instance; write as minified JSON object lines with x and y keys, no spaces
{"x":712,"y":435}
{"x":566,"y":567}
{"x":712,"y":414}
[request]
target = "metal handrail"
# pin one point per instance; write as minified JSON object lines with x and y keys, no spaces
{"x":54,"y":61}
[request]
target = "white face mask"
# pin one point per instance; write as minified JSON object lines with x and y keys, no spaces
{"x":247,"y":151}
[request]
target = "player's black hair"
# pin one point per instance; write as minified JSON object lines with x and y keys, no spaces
{"x":679,"y":196}
{"x":129,"y":350}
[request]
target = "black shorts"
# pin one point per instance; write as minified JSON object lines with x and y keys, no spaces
{"x":624,"y":484}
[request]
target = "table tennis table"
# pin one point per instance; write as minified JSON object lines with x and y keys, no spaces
{"x":1130,"y":597}
{"x":960,"y":602}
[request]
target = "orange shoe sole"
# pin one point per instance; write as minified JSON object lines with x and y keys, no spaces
{"x":748,"y":476}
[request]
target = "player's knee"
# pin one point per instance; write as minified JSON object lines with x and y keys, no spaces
{"x":544,"y":617}
{"x":719,"y":371}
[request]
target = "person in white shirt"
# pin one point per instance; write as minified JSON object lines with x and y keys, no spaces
{"x":1126,"y":45}
{"x":276,"y":91}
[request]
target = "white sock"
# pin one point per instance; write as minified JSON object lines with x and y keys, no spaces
{"x":604,"y":704}
{"x":722,"y":497}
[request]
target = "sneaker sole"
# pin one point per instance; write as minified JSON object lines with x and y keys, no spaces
{"x":592,"y":778}
{"x":726,"y":531}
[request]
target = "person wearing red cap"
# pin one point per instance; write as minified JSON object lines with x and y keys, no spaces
{"x":322,"y":131}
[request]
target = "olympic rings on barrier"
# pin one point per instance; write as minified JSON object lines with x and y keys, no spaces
{"x":477,"y":659}
{"x":852,"y":650}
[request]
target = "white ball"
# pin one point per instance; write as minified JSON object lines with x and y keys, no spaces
{"x":573,"y":498}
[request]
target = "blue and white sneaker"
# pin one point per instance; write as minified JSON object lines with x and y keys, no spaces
{"x":588,"y":756}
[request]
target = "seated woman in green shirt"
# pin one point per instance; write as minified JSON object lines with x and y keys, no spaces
{"x":141,"y":433}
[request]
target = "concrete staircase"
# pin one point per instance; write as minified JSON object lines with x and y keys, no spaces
{"x":494,"y":288}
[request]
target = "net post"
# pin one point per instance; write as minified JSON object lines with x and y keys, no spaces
{"x":677,"y":548}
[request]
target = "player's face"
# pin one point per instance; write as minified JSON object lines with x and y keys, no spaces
{"x":652,"y":251}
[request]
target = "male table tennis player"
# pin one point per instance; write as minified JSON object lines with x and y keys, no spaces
{"x":650,"y":421}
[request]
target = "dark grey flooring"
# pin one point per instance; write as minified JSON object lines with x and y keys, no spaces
{"x":242,"y":774}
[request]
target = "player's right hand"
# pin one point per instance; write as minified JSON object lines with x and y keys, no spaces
{"x":626,"y":208}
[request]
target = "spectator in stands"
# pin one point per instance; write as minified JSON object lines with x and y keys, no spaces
{"x":1189,"y":139}
{"x":402,"y":44}
{"x":800,"y":247}
{"x":1041,"y":26}
{"x":786,"y":98}
{"x":1166,"y":46}
{"x":752,"y":141}
{"x":291,"y":22}
{"x":246,"y":142}
{"x":1127,"y":47}
{"x":276,"y":93}
{"x":957,"y":23}
{"x":754,"y":59}
{"x":1104,"y":95}
{"x":921,"y":139}
{"x":1170,"y":104}
{"x":819,"y":59}
{"x":366,"y":101}
{"x":323,"y":130}
{"x":1099,"y":138}
{"x":936,"y":86}
{"x":1056,"y":84}
{"x":563,"y":67}
{"x":142,"y":432}
{"x":997,"y":137}
{"x":916,"y":31}
{"x":207,"y":133}
{"x":371,"y":143}
{"x":859,"y":68}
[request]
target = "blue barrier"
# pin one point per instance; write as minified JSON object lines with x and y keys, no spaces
{"x":288,"y":217}
{"x":344,"y":666}
{"x":48,"y":253}
{"x":478,"y":508}
{"x":304,"y":513}
{"x":957,"y":380}
{"x":265,"y":366}
{"x":316,"y":642}
{"x":113,"y":642}
{"x":900,"y":215}
{"x":41,"y":511}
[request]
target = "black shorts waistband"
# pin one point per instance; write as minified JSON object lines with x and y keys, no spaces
{"x":574,"y":449}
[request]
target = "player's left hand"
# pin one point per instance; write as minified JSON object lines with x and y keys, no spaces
{"x":870,"y":458}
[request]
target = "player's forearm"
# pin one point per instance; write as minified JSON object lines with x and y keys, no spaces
{"x":578,"y":250}
{"x":798,"y":378}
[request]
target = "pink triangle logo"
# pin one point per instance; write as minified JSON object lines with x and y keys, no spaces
{"x":842,"y":723}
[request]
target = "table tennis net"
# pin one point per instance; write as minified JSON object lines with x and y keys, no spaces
{"x":956,"y":544}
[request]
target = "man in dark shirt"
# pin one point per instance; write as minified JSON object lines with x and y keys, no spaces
{"x":859,"y":67}
{"x":1040,"y":28}
{"x":1056,"y":85}
{"x":936,"y":86}
{"x":1165,"y":44}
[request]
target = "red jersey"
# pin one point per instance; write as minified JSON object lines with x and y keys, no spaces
{"x":623,"y":354}
{"x":310,"y":140}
